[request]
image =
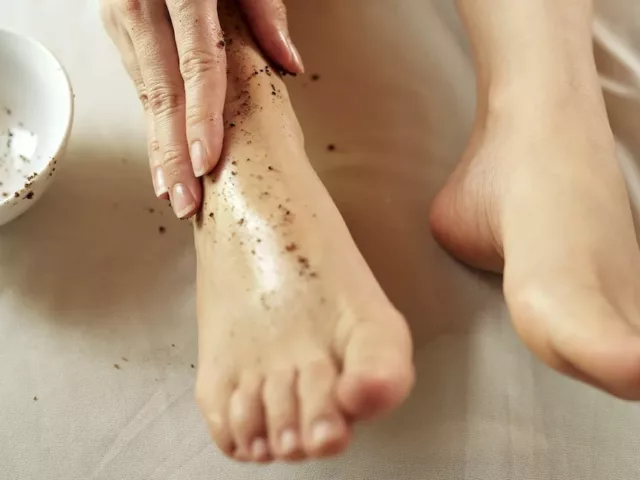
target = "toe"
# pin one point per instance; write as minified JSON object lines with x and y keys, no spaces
{"x":213,"y":393}
{"x":378,"y":371}
{"x":610,"y":363}
{"x":580,"y":334}
{"x":281,"y":409}
{"x":246,"y":418}
{"x":324,"y":429}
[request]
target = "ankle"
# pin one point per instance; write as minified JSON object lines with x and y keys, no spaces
{"x":559,"y":108}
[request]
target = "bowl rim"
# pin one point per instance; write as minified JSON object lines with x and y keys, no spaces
{"x":69,"y":122}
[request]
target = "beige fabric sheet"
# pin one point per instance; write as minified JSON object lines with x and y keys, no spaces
{"x":86,"y":281}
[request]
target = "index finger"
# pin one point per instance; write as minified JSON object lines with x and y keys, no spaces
{"x":203,"y":65}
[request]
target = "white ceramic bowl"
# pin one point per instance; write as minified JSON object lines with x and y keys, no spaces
{"x":36,"y":113}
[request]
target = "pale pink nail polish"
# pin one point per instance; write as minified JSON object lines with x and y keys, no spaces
{"x":323,"y":432}
{"x":198,"y":156}
{"x":293,"y":51}
{"x":159,"y":184}
{"x":182,"y":200}
{"x":259,"y":449}
{"x":289,"y":441}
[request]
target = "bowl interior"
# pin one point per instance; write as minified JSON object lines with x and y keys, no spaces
{"x":35,"y":110}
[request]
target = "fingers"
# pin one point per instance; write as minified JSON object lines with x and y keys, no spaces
{"x":203,"y":66}
{"x":153,"y":40}
{"x":268,"y":22}
{"x":153,"y":147}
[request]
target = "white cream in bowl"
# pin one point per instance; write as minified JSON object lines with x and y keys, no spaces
{"x":36,"y":113}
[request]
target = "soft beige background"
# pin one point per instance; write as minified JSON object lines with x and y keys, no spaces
{"x":86,"y":279}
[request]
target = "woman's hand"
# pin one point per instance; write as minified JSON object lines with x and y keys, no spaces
{"x":175,"y":53}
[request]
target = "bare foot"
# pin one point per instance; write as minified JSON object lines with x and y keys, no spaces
{"x":539,"y":191}
{"x":296,"y":338}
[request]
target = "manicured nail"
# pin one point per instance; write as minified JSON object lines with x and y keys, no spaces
{"x":159,"y":185}
{"x":288,"y":441}
{"x":259,"y":449}
{"x":182,"y":201}
{"x":322,"y":432}
{"x":198,"y":158}
{"x":293,"y":51}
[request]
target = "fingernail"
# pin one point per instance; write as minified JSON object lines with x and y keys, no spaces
{"x":322,"y":432}
{"x":259,"y":449}
{"x":159,"y":185}
{"x":293,"y":51}
{"x":288,"y":441}
{"x":198,"y":158}
{"x":182,"y":201}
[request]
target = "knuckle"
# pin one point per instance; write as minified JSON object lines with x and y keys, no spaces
{"x":196,"y":62}
{"x":197,"y":113}
{"x":132,"y":8}
{"x":172,"y":160}
{"x":163,"y":100}
{"x":154,"y":145}
{"x":142,"y":95}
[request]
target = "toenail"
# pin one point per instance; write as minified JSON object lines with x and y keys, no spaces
{"x":289,"y":441}
{"x":259,"y":449}
{"x":322,"y":432}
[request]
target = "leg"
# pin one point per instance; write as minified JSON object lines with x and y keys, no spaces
{"x":540,"y":194}
{"x":296,"y":337}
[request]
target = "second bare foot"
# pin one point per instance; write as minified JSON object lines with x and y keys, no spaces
{"x":540,"y":193}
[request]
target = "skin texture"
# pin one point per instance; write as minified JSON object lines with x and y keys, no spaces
{"x":539,"y":194}
{"x":296,"y":338}
{"x":175,"y":54}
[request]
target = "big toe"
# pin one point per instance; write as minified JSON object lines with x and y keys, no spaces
{"x":581,"y":335}
{"x":378,"y":371}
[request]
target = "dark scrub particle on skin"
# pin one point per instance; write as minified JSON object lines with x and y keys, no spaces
{"x":29,"y":196}
{"x":303,"y":261}
{"x":331,"y":147}
{"x":292,"y":247}
{"x":315,"y":77}
{"x":222,"y":44}
{"x":161,"y":230}
{"x":116,"y":366}
{"x":35,"y":399}
{"x":211,"y":215}
{"x":193,"y":366}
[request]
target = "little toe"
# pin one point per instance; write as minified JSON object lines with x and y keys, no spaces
{"x":324,"y":429}
{"x":378,"y":371}
{"x":213,"y":393}
{"x":246,"y":418}
{"x":281,"y":409}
